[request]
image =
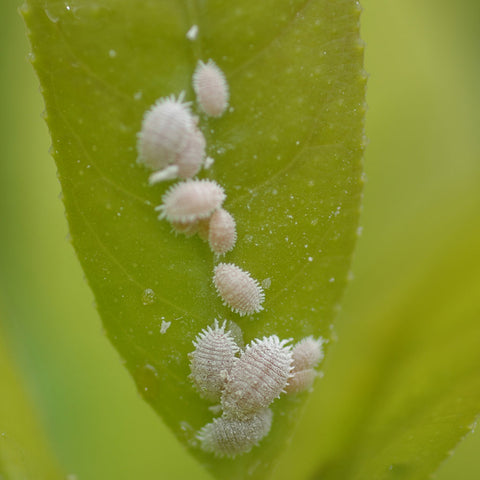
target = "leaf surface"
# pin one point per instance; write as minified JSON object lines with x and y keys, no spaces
{"x":288,"y":154}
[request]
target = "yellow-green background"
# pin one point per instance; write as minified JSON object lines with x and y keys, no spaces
{"x":424,"y":104}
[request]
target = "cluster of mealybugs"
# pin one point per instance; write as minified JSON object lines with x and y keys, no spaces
{"x":245,"y":383}
{"x":171,"y":143}
{"x":241,"y":383}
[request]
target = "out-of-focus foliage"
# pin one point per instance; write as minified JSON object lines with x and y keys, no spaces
{"x":24,"y":449}
{"x":420,"y":215}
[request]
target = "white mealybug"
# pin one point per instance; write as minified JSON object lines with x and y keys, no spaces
{"x":258,"y":377}
{"x":190,"y":159}
{"x":229,"y":437}
{"x":242,"y":293}
{"x":212,"y":360}
{"x":301,"y":381}
{"x":307,"y":354}
{"x":191,"y":200}
{"x":211,"y":87}
{"x":187,"y":162}
{"x":222,"y":232}
{"x":166,"y":129}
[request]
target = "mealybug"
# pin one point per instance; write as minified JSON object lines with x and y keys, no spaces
{"x":191,"y":200}
{"x":211,"y":87}
{"x":307,"y":354}
{"x":302,"y":380}
{"x":187,"y":162}
{"x":222,"y":232}
{"x":166,"y":128}
{"x":190,"y":159}
{"x":212,"y":360}
{"x":258,"y":377}
{"x":238,"y":289}
{"x":229,"y":437}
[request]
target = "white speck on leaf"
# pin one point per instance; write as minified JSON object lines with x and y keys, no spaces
{"x":164,"y":327}
{"x":192,"y":33}
{"x":148,"y":296}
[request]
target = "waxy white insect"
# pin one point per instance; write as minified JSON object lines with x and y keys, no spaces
{"x":229,"y":437}
{"x":302,"y":380}
{"x":190,"y":159}
{"x":187,"y":163}
{"x":211,"y":87}
{"x":258,"y":377}
{"x":166,"y":129}
{"x":307,"y":354}
{"x":222,"y":232}
{"x":212,"y":360}
{"x":242,"y":293}
{"x":191,"y":200}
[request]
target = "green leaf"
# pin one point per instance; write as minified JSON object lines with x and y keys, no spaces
{"x":288,"y":155}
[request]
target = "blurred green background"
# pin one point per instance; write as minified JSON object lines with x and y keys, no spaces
{"x":60,"y":377}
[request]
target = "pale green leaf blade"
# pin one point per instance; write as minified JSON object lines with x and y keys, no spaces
{"x":288,"y":155}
